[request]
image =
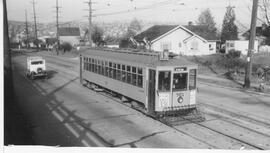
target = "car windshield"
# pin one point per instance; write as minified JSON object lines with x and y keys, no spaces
{"x":36,"y":62}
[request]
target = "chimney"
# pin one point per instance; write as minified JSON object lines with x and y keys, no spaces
{"x":190,"y":23}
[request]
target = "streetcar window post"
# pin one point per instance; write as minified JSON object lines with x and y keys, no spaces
{"x":192,"y":79}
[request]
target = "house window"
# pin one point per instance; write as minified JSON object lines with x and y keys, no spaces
{"x":231,"y":44}
{"x":211,"y":47}
{"x":180,"y":44}
{"x":194,"y":45}
{"x":166,"y":46}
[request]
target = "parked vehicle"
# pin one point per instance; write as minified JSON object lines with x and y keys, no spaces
{"x":36,"y":67}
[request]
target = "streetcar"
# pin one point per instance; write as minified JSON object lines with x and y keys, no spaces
{"x":159,"y":83}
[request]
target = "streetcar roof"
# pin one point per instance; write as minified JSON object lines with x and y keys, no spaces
{"x":150,"y":59}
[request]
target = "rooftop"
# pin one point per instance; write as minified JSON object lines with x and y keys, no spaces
{"x":154,"y":32}
{"x":201,"y":30}
{"x":158,"y":30}
{"x":150,"y":59}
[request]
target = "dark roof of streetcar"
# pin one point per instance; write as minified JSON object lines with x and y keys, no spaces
{"x":150,"y":59}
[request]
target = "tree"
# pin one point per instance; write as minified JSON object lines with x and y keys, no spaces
{"x":133,"y":28}
{"x":66,"y":46}
{"x":265,"y":10}
{"x":229,"y":29}
{"x":97,"y":36}
{"x":206,"y":18}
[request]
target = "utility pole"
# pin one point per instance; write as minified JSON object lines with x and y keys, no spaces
{"x":26,"y":30}
{"x":251,"y":43}
{"x":90,"y":22}
{"x":35,"y":21}
{"x":57,"y":27}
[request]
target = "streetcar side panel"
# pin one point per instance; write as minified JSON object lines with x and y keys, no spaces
{"x":113,"y":78}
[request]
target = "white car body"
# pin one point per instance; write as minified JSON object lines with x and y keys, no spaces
{"x":36,"y":66}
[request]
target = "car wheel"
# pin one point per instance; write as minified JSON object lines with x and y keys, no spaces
{"x":32,"y":77}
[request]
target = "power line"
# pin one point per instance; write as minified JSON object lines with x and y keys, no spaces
{"x":155,"y":5}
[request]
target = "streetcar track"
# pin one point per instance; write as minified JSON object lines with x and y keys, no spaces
{"x":186,"y":133}
{"x":204,"y":126}
{"x":233,"y":114}
{"x":226,"y":119}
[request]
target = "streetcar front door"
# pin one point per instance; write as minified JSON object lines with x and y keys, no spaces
{"x":163,"y":92}
{"x":151,"y":91}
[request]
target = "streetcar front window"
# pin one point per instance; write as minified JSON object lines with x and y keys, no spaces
{"x":164,"y":81}
{"x":179,"y":81}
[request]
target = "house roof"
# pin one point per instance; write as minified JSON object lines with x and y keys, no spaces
{"x":69,"y":31}
{"x":154,"y":32}
{"x":201,"y":30}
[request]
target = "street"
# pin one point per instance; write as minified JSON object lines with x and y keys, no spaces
{"x":61,"y":112}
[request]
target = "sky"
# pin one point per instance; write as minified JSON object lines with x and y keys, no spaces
{"x":171,"y":11}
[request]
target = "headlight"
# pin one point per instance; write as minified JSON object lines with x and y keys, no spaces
{"x":180,"y":99}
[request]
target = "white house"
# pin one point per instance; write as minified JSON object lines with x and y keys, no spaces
{"x":240,"y":45}
{"x":70,"y":35}
{"x":177,"y":39}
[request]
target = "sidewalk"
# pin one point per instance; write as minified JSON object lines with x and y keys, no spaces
{"x":223,"y":82}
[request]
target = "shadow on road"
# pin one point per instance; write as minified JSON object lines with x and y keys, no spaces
{"x":75,"y":131}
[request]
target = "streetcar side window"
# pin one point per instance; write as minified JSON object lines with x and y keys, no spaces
{"x":124,"y":73}
{"x":99,"y":67}
{"x":179,"y":81}
{"x":106,"y":69}
{"x":192,"y":79}
{"x":140,"y":78}
{"x":114,"y":71}
{"x":134,"y":76}
{"x":118,"y":72}
{"x":95,"y":70}
{"x":93,"y":65}
{"x":164,"y":81}
{"x":89,"y":64}
{"x":102,"y":68}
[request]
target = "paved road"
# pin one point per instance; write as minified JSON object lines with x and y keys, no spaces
{"x":61,"y":112}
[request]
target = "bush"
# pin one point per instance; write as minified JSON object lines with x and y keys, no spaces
{"x":66,"y":46}
{"x":233,"y":54}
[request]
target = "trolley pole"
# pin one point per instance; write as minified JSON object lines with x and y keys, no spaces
{"x":251,"y":44}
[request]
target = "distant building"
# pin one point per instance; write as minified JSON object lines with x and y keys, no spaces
{"x":177,"y":39}
{"x":69,"y":34}
{"x":262,"y":32}
{"x":239,"y":45}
